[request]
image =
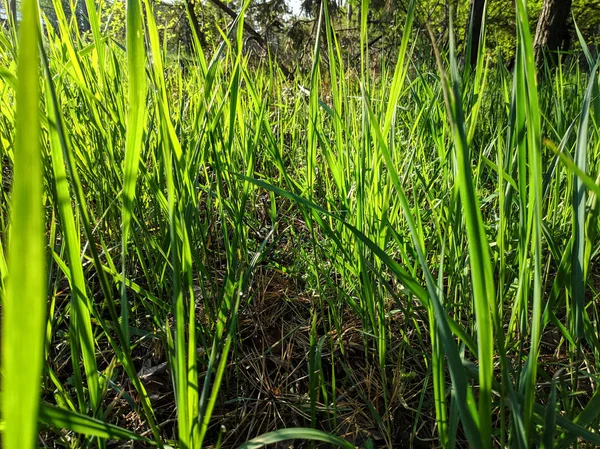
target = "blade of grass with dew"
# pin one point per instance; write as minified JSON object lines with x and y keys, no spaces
{"x":136,"y":118}
{"x":24,"y":306}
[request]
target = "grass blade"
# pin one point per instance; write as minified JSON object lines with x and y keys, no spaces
{"x":296,"y":434}
{"x":481,"y":267}
{"x":82,"y":339}
{"x":578,"y":261}
{"x":136,"y":118}
{"x":527,"y":72}
{"x":24,"y":307}
{"x":60,"y":418}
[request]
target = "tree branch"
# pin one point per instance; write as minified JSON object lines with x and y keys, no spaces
{"x":258,"y":37}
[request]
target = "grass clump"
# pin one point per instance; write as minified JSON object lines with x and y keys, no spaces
{"x":396,"y":257}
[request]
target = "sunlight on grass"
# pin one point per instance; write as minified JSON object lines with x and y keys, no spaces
{"x":371,"y":254}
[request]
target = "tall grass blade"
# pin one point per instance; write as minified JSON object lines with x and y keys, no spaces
{"x":60,"y":418}
{"x":136,"y":118}
{"x":401,"y":69}
{"x":481,"y":268}
{"x":82,"y":339}
{"x":119,"y":345}
{"x":24,"y":306}
{"x":578,"y":261}
{"x":527,"y":72}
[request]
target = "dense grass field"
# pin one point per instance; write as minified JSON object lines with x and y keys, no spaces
{"x":371,"y":255}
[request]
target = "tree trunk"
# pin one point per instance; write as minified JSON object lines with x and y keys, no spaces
{"x":195,"y":22}
{"x":552,"y":32}
{"x":85,"y":18}
{"x":13,"y":10}
{"x":260,"y":39}
{"x":475,"y":24}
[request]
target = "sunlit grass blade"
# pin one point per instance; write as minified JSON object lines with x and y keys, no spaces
{"x":136,"y":118}
{"x":311,"y":156}
{"x":389,"y":194}
{"x":572,"y":167}
{"x":401,"y":69}
{"x":93,"y":17}
{"x":185,"y":364}
{"x":527,"y":71}
{"x":3,"y":269}
{"x":60,"y":418}
{"x":119,"y":345}
{"x":296,"y":434}
{"x":336,"y":66}
{"x":24,"y":304}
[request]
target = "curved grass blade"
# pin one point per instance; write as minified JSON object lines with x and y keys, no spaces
{"x":572,"y":167}
{"x":296,"y":434}
{"x":60,"y":418}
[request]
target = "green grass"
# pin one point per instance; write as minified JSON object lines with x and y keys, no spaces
{"x":24,"y":297}
{"x":387,"y":254}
